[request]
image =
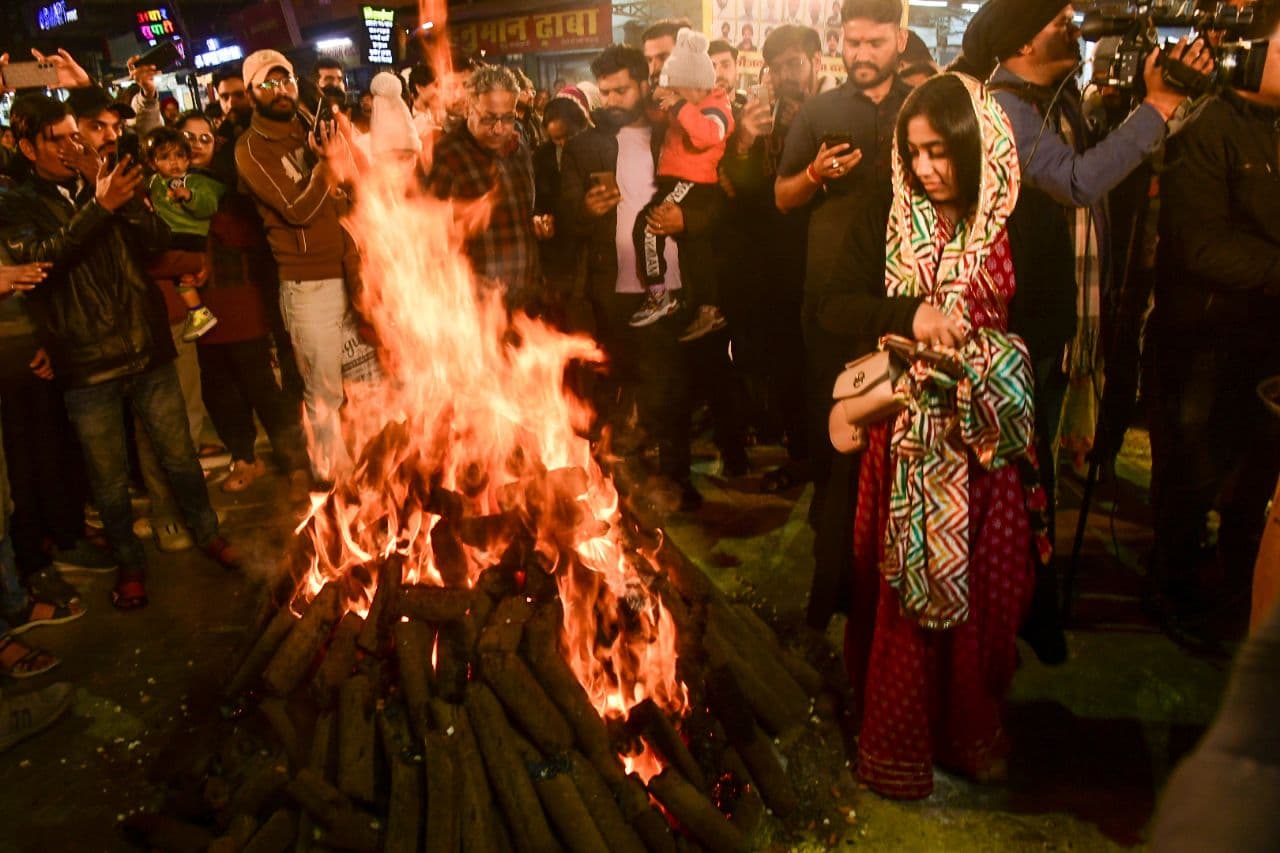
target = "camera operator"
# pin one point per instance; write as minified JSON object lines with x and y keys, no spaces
{"x":1030,"y":50}
{"x":1213,"y":337}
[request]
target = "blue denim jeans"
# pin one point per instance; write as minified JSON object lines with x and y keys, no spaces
{"x":313,"y":313}
{"x":97,"y":412}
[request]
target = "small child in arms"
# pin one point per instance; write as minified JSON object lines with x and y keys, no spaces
{"x":186,"y":201}
{"x":700,"y":122}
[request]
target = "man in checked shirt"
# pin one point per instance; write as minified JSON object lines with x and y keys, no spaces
{"x":486,"y":156}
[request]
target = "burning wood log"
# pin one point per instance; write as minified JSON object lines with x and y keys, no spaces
{"x":733,"y":711}
{"x":258,"y":790}
{"x":506,"y":772}
{"x":375,"y":636}
{"x":239,"y":832}
{"x":695,"y":813}
{"x":451,"y":559}
{"x":553,"y":782}
{"x":261,"y":652}
{"x":338,"y":660}
{"x":436,"y":604}
{"x":413,"y":642}
{"x":275,"y":836}
{"x":356,"y":738}
{"x":276,"y":714}
{"x":648,"y":721}
{"x":342,"y":825}
{"x":763,"y":657}
{"x":526,"y":702}
{"x":444,"y":795}
{"x":618,"y":834}
{"x":542,"y":651}
{"x":749,"y":808}
{"x":404,"y":757}
{"x":481,"y":824}
{"x":160,"y":832}
{"x":809,"y":679}
{"x":296,"y":653}
{"x":505,"y":625}
{"x":653,"y":830}
{"x":770,"y":705}
{"x":454,"y":644}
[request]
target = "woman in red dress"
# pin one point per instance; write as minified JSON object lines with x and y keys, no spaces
{"x":943,"y":567}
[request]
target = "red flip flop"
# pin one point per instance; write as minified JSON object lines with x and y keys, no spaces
{"x":130,"y":594}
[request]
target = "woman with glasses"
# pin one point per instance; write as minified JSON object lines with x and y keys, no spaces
{"x":237,"y":380}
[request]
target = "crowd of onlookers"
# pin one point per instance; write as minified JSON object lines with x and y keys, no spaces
{"x":728,"y":249}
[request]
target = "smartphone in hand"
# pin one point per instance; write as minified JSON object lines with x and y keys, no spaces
{"x":608,"y":180}
{"x":29,"y":75}
{"x":831,"y":140}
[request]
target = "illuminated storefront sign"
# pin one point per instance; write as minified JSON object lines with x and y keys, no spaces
{"x":377,"y":25}
{"x":575,"y":28}
{"x":217,"y":54}
{"x":55,"y":15}
{"x":155,"y":24}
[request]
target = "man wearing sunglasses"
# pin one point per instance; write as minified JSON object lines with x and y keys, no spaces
{"x":288,"y":174}
{"x":486,"y":156}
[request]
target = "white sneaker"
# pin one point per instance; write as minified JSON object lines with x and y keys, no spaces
{"x":173,"y":536}
{"x":658,"y":304}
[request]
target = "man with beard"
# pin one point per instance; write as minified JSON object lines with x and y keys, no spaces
{"x":288,"y":173}
{"x":103,"y":325}
{"x":836,"y":163}
{"x":658,"y":41}
{"x":237,"y":109}
{"x":1061,"y":225}
{"x":646,"y":365}
{"x":724,"y":58}
{"x":486,"y":158}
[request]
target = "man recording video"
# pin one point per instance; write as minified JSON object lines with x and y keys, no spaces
{"x":1213,"y":336}
{"x":1030,"y":51}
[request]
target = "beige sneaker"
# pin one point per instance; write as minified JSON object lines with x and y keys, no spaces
{"x":707,"y":320}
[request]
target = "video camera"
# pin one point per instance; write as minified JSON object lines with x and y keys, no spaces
{"x":1126,"y":32}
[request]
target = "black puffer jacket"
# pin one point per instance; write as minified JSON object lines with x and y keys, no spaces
{"x":99,"y":316}
{"x":1219,"y":259}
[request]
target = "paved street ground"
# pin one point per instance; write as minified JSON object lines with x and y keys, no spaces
{"x":1094,"y":739}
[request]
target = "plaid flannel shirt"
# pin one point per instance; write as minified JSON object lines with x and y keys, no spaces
{"x":507,"y":250}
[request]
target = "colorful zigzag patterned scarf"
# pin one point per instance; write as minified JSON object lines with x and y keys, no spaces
{"x":987,"y":412}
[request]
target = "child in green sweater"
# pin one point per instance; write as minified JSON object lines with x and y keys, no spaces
{"x":186,"y":201}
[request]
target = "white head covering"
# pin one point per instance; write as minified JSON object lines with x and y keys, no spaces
{"x":391,"y":128}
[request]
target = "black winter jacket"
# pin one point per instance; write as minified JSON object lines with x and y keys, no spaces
{"x":99,"y":316}
{"x":1219,"y":256}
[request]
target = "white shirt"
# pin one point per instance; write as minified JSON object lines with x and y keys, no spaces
{"x":635,"y":175}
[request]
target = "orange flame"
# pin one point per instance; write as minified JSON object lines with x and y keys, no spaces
{"x":476,"y":412}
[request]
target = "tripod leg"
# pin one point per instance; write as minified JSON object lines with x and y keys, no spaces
{"x":1069,"y":584}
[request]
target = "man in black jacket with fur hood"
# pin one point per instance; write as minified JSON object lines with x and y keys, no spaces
{"x":104,"y":325}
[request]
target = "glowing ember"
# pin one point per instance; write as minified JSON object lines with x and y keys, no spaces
{"x":477,"y":418}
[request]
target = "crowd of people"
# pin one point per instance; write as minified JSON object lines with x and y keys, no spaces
{"x":987,"y":225}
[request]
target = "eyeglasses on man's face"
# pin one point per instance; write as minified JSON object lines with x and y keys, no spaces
{"x":488,"y":120}
{"x":202,"y":138}
{"x":273,"y":83}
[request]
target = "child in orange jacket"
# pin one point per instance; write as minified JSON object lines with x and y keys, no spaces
{"x":700,"y":120}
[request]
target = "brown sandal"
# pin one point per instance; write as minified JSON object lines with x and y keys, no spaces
{"x":23,"y":661}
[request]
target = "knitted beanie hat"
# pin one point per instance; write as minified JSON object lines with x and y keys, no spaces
{"x":391,"y":127}
{"x":689,"y":65}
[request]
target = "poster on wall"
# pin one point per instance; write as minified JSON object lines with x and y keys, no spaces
{"x":746,"y":24}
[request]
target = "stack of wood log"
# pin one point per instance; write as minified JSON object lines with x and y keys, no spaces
{"x":496,"y":746}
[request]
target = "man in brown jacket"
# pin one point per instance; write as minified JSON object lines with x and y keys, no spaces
{"x":298,"y":196}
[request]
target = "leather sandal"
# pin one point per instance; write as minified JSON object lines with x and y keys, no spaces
{"x":40,"y":611}
{"x":28,"y":664}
